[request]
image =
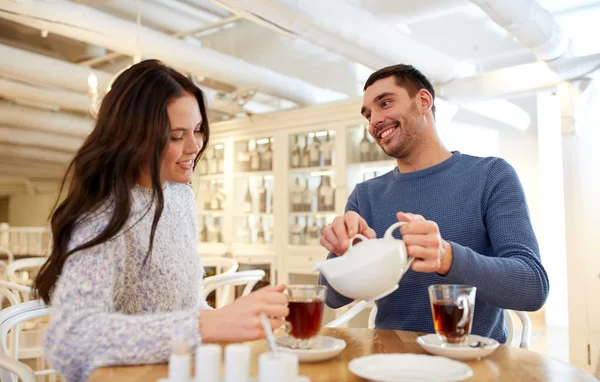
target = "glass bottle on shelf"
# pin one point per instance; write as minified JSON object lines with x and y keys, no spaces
{"x":244,"y":232}
{"x":218,"y":231}
{"x":327,"y":150}
{"x":262,"y":197}
{"x":305,"y":157}
{"x":248,"y":200}
{"x":243,"y":159}
{"x":212,"y":232}
{"x":365,"y":147}
{"x":312,"y":233}
{"x":296,"y":192}
{"x":314,"y":152}
{"x":271,"y":231}
{"x":221,"y":161}
{"x":296,"y":153}
{"x":214,"y":199}
{"x":203,"y":231}
{"x":260,"y":232}
{"x":296,"y":233}
{"x":212,"y":162}
{"x":207,"y":198}
{"x":326,"y":195}
{"x":307,"y":198}
{"x":220,"y":198}
{"x":305,"y":232}
{"x":255,"y":158}
{"x":203,"y":165}
{"x":375,"y":151}
{"x":267,"y":158}
{"x":322,"y":224}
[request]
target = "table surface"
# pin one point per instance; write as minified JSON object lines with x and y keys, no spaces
{"x":504,"y":364}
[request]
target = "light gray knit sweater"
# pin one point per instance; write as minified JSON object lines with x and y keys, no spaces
{"x":109,"y":310}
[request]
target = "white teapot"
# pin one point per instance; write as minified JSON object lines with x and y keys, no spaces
{"x":369,"y":270}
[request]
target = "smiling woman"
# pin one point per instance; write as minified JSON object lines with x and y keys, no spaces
{"x":124,"y":273}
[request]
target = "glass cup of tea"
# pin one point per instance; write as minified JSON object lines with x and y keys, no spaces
{"x":306,"y":303}
{"x":452,"y":307}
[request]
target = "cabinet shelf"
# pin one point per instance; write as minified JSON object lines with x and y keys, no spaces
{"x":256,"y":174}
{"x":217,"y":214}
{"x":212,"y":249}
{"x":320,"y":214}
{"x":258,"y":250}
{"x":212,"y":177}
{"x":308,"y":170}
{"x":257,"y":214}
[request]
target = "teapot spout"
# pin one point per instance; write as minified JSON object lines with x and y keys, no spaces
{"x":318,"y":267}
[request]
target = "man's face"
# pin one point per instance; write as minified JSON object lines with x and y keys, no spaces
{"x":394,"y":119}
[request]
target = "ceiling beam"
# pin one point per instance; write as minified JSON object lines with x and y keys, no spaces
{"x":94,"y":27}
{"x":31,"y":118}
{"x":520,"y":79}
{"x":44,"y":174}
{"x":350,"y":31}
{"x":23,"y":92}
{"x":36,"y":154}
{"x":22,"y":137}
{"x":48,"y":71}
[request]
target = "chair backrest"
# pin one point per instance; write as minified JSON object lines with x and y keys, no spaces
{"x":247,"y":278}
{"x":14,"y":293}
{"x":6,"y":252}
{"x":12,"y":366}
{"x":508,"y":320}
{"x":10,"y":318}
{"x":525,"y":341}
{"x":23,"y":264}
{"x":223,"y":265}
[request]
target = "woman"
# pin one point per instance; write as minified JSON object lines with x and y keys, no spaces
{"x":124,"y":272}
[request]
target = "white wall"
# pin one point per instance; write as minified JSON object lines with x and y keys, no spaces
{"x":581,"y":163}
{"x":30,"y":211}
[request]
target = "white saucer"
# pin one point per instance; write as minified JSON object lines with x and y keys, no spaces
{"x":323,"y":349}
{"x":433,"y":344}
{"x":301,"y":378}
{"x":409,"y":368}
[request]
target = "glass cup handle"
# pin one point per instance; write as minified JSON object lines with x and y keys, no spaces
{"x":357,"y":236}
{"x":287,"y":326}
{"x":463,"y":303}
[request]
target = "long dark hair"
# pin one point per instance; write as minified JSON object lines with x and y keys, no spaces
{"x":132,"y":131}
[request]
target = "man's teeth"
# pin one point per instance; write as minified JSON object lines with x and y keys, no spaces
{"x":387,"y":132}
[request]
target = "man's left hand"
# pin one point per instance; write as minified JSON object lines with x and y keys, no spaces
{"x":424,"y":243}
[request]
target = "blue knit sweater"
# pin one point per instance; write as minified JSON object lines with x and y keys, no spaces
{"x":481,"y":210}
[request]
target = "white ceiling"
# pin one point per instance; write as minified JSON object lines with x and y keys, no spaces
{"x":319,"y":65}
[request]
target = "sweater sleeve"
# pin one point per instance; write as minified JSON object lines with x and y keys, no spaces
{"x":512,"y":277}
{"x":334,"y":299}
{"x":85,"y":332}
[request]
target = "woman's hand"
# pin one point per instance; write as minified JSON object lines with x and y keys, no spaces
{"x":240,"y":320}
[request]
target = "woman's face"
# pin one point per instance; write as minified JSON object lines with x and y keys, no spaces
{"x":185,"y":140}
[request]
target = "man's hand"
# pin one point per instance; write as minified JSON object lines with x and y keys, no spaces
{"x":424,"y":243}
{"x":336,"y":236}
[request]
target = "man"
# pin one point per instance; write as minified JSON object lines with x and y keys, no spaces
{"x":468,"y":221}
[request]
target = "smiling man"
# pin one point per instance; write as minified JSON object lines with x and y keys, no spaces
{"x":468,"y":221}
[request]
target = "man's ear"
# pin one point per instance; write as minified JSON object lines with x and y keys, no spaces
{"x":424,"y":101}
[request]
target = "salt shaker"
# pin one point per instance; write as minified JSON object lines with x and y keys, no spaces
{"x":282,"y":367}
{"x":180,"y":361}
{"x":237,"y":362}
{"x":208,"y":363}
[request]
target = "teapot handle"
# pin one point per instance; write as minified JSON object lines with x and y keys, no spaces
{"x":390,"y":230}
{"x":357,"y":236}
